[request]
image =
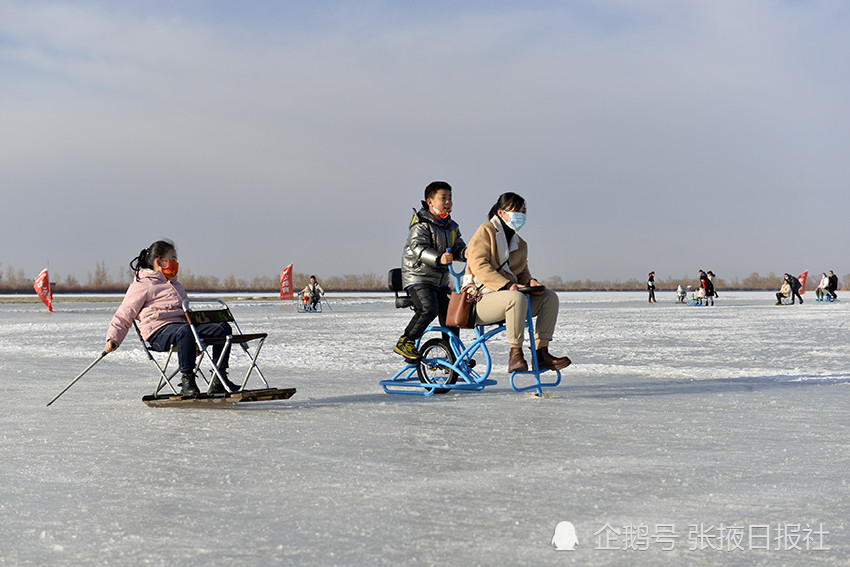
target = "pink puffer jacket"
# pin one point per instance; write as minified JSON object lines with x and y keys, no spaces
{"x":153,"y":300}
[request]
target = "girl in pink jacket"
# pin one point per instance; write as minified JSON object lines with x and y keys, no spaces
{"x":155,"y":299}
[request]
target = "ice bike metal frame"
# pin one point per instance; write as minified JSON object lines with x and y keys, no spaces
{"x":455,"y":370}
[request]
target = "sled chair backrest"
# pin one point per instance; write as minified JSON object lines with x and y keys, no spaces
{"x":201,"y":311}
{"x":394,"y":280}
{"x":395,"y":285}
{"x":220,"y":314}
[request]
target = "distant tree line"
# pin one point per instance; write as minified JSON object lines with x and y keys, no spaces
{"x":349,"y":282}
{"x":14,"y":280}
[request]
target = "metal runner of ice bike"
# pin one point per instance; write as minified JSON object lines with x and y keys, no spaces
{"x":449,"y":364}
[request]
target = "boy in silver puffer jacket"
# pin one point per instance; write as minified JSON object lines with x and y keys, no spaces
{"x":432,"y":244}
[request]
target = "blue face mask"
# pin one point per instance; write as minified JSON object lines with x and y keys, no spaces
{"x":515,"y":220}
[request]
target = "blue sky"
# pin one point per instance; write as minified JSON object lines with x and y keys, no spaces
{"x":662,"y":135}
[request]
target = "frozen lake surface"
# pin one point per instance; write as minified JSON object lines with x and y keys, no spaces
{"x":681,"y":435}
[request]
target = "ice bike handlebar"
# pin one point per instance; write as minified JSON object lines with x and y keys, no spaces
{"x":457,"y":275}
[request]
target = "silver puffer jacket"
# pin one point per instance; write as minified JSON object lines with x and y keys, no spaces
{"x":428,"y":239}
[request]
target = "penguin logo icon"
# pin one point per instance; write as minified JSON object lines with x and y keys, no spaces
{"x":565,"y":538}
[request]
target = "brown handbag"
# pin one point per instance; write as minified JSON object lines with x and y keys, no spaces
{"x":461,"y":312}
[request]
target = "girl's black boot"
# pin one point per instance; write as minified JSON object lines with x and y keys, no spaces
{"x":188,"y":388}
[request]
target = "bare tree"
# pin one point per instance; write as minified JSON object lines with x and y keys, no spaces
{"x":100,"y":278}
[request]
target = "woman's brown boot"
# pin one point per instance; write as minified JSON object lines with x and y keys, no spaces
{"x":517,"y":363}
{"x":548,"y":362}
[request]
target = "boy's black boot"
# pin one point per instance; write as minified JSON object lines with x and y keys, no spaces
{"x":188,"y":388}
{"x":407,"y":348}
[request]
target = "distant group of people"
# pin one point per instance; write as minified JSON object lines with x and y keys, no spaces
{"x":311,"y":293}
{"x":790,"y":289}
{"x":704,"y":294}
{"x":791,"y":286}
{"x":706,"y":287}
{"x":826,"y":290}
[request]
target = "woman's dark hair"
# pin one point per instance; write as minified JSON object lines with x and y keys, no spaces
{"x":146,"y":257}
{"x":507,"y":202}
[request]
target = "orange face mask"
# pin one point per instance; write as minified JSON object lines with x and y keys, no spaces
{"x":168,"y":267}
{"x":441,"y":214}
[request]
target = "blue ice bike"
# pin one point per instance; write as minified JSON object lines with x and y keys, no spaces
{"x":448,"y":364}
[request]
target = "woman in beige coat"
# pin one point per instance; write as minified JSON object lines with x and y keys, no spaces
{"x":497,"y":263}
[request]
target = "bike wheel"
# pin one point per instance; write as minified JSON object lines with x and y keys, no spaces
{"x":430,"y":370}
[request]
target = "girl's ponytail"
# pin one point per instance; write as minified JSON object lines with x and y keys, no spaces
{"x":144,"y":261}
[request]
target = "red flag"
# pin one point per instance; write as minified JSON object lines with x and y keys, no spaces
{"x":42,"y":288}
{"x":286,"y":282}
{"x":802,"y":279}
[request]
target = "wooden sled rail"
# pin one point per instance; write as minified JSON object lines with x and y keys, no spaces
{"x":245,"y":396}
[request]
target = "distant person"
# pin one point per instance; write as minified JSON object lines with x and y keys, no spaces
{"x":706,"y":287}
{"x":433,"y":242}
{"x":155,"y":299}
{"x":785,"y":290}
{"x":711,"y":277}
{"x":833,"y":285}
{"x":312,"y":292}
{"x":795,"y":289}
{"x":650,"y":286}
{"x":681,"y":294}
{"x":821,"y":291}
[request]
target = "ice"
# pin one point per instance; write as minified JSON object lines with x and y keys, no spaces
{"x":671,"y":418}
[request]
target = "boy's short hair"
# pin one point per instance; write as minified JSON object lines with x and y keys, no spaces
{"x":435,"y":186}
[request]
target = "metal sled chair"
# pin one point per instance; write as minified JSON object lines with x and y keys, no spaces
{"x":447,"y":364}
{"x":200,"y":311}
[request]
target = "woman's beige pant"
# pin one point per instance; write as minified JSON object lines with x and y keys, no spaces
{"x":512,"y":306}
